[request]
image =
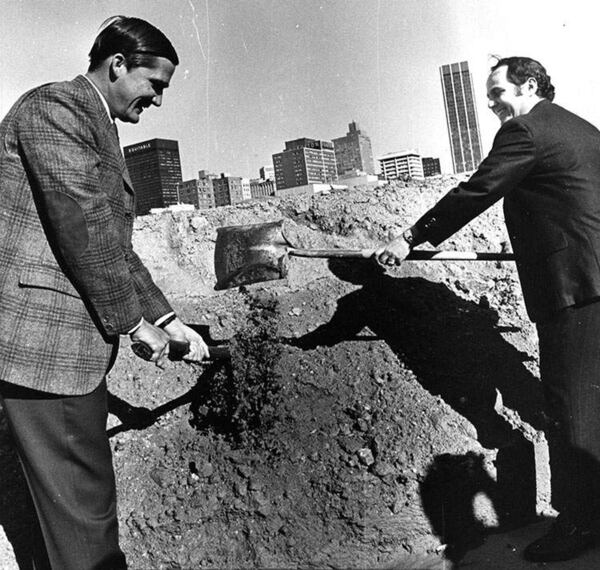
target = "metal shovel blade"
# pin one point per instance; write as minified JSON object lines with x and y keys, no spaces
{"x":250,"y":254}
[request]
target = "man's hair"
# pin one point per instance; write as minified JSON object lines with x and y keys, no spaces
{"x":139,"y":41}
{"x":520,"y":69}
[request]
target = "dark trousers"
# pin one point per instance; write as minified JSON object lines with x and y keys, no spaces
{"x":66,"y":457}
{"x":570,"y":373}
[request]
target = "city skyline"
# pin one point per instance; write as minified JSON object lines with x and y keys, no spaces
{"x":255,"y":73}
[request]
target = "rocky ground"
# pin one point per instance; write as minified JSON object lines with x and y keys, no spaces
{"x":365,"y":420}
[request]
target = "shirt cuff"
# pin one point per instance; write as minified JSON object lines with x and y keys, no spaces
{"x":165,"y":319}
{"x":136,"y":327}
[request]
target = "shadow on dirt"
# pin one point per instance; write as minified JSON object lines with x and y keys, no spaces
{"x":17,"y":514}
{"x":456,"y":351}
{"x":136,"y":417}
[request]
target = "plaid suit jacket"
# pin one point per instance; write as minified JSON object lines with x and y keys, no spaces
{"x":70,"y":282}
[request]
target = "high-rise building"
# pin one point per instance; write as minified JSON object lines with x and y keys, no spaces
{"x":404,"y":164}
{"x":353,"y":152}
{"x":305,"y":161}
{"x":431,"y":166}
{"x":155,"y":170}
{"x":461,"y":116}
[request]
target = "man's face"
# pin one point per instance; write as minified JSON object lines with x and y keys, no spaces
{"x":136,"y":88}
{"x":506,"y":99}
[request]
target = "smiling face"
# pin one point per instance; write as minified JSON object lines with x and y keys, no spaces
{"x":508,"y":100}
{"x":134,"y":89}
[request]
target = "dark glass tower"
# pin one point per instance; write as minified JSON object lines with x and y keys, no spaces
{"x":155,"y":170}
{"x":461,"y":116}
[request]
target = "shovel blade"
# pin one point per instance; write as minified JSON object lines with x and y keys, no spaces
{"x":250,"y":254}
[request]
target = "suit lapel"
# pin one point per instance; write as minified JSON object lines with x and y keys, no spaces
{"x":108,"y":126}
{"x":123,"y":164}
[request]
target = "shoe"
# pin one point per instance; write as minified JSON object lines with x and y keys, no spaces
{"x":564,"y":541}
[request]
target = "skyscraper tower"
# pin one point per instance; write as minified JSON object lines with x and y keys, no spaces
{"x":461,"y":116}
{"x":155,"y":170}
{"x":353,"y":152}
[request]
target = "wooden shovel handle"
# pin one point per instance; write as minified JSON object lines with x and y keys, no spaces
{"x":178,"y":350}
{"x":415,"y":255}
{"x":331,"y":253}
{"x":435,"y":255}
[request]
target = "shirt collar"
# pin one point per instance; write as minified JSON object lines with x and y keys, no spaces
{"x":102,"y":98}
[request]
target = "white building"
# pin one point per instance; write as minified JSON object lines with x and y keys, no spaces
{"x":401,"y":164}
{"x":313,"y":188}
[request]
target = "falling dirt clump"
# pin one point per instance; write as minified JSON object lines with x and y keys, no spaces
{"x":367,"y":419}
{"x":242,"y":399}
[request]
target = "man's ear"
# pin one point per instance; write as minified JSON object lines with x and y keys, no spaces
{"x":117,"y":66}
{"x":531,"y":85}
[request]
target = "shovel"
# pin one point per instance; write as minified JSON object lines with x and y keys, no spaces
{"x":254,"y":253}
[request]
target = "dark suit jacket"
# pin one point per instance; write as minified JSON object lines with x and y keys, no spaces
{"x":546,"y":166}
{"x":70,"y":282}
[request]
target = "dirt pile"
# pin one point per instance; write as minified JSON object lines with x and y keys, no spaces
{"x":365,"y":419}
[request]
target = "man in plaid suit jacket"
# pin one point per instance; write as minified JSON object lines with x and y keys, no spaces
{"x":70,"y":283}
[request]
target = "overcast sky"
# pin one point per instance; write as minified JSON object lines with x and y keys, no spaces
{"x":255,"y":73}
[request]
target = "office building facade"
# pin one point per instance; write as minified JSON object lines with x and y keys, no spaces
{"x":305,"y":161}
{"x":431,"y":166}
{"x":267,"y":172}
{"x":400,"y":165}
{"x":187,"y":192}
{"x":155,"y":170}
{"x":230,"y":190}
{"x":199,"y":191}
{"x":461,"y":116}
{"x":354,"y":152}
{"x":260,"y":188}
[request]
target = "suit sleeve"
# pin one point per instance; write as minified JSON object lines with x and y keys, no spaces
{"x":512,"y":157}
{"x":153,"y":302}
{"x":78,"y":212}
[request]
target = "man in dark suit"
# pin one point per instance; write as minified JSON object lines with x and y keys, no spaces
{"x":70,"y":283}
{"x":545,"y":163}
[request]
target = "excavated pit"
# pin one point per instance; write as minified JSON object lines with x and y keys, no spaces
{"x":366,"y":420}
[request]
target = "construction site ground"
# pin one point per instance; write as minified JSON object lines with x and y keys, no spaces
{"x":367,"y":419}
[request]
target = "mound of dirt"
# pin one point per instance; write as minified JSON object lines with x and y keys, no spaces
{"x":366,"y":419}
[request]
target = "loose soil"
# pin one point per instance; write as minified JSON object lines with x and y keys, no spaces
{"x":365,"y":420}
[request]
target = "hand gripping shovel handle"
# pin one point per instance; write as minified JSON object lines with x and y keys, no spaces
{"x":178,"y":350}
{"x":414,"y":255}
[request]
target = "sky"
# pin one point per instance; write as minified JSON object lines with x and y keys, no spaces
{"x":256,"y":73}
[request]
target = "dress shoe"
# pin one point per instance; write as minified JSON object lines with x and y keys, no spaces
{"x":563,"y":541}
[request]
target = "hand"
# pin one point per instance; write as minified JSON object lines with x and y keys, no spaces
{"x":394,"y":253}
{"x":155,"y":338}
{"x":178,"y":331}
